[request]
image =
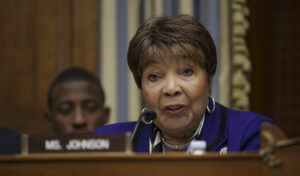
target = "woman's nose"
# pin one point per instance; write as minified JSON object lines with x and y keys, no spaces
{"x":172,"y":86}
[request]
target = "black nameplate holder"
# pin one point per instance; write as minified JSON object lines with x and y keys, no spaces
{"x":75,"y":144}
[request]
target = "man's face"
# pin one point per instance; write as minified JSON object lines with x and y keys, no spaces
{"x":77,"y":107}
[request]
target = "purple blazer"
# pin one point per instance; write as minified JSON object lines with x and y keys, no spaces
{"x":236,"y":130}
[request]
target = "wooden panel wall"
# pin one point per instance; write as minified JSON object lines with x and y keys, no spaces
{"x":274,"y":44}
{"x":38,"y":39}
{"x":286,"y":70}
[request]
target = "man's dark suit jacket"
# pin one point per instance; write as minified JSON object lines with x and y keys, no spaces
{"x":10,"y":142}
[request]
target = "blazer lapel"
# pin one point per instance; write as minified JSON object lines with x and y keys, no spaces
{"x":214,"y":128}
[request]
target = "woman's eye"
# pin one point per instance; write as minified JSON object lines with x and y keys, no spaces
{"x":153,"y":77}
{"x":187,"y":72}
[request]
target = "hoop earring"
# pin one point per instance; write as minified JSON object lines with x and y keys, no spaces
{"x":145,"y":122}
{"x":143,"y":117}
{"x":214,"y":105}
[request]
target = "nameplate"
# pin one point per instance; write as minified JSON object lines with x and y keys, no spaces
{"x":77,"y":143}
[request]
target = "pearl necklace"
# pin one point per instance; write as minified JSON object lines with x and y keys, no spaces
{"x":175,"y":147}
{"x":184,"y":146}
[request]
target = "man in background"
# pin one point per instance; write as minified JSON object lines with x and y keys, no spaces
{"x":76,"y":103}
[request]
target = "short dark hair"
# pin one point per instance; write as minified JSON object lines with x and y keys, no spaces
{"x":74,"y":74}
{"x":182,"y":33}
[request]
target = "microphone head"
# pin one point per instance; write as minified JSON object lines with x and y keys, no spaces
{"x":149,"y":115}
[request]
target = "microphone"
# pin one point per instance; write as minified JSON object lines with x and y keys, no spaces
{"x":146,"y":118}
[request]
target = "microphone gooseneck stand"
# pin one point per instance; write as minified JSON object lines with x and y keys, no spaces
{"x":146,"y":117}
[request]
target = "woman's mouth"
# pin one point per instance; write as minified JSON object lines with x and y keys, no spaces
{"x":174,"y":109}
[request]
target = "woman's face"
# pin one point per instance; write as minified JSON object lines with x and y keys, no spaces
{"x":177,"y":90}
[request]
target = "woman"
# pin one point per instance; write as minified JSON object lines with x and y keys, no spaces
{"x":173,"y":61}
